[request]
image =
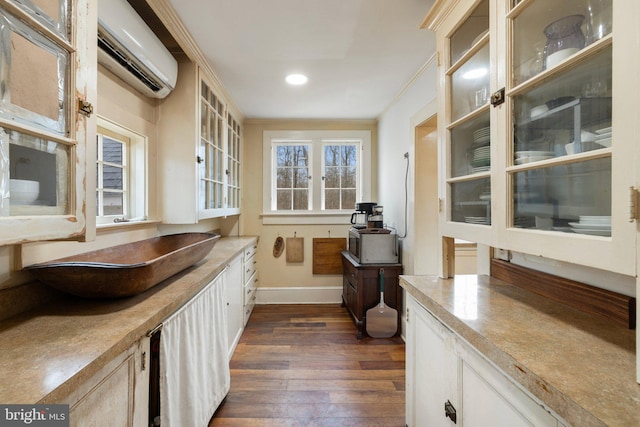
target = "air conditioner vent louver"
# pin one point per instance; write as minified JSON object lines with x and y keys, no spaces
{"x":119,"y":56}
{"x":129,"y":49}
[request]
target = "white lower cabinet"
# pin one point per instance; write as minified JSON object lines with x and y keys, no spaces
{"x":250,"y":280}
{"x":117,"y":395}
{"x":234,"y":288}
{"x":450,"y":383}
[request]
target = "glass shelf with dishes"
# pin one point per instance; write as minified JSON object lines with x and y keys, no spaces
{"x":561,"y":102}
{"x":548,"y":32}
{"x":469,"y":183}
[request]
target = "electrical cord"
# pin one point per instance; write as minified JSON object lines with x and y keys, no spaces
{"x":406,"y":195}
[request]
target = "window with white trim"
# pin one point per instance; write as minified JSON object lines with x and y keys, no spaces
{"x":120,"y":174}
{"x":315,"y":172}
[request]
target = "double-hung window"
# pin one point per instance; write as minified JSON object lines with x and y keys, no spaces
{"x":121,"y":179}
{"x":315,"y":172}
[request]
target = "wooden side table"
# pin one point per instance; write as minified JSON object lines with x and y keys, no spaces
{"x":361,"y":289}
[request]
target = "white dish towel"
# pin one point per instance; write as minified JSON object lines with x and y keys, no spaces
{"x":194,"y":363}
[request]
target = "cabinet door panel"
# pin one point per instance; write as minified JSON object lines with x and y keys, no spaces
{"x":491,"y":399}
{"x":432,"y":369}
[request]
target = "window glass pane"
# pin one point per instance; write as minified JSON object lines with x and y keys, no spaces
{"x":112,"y":151}
{"x":568,"y":114}
{"x":284,"y":200}
{"x":300,"y":199}
{"x":470,"y":84}
{"x":470,"y":31}
{"x":332,"y":199}
{"x":113,"y":203}
{"x":559,"y":197}
{"x":548,"y":31}
{"x":349,"y":177}
{"x":284,"y":178}
{"x":51,"y":13}
{"x":38,"y":171}
{"x":34,"y":79}
{"x":348,"y":199}
{"x":471,"y":146}
{"x":300,"y":178}
{"x":112,"y":177}
{"x":332,"y":177}
{"x":471,"y":201}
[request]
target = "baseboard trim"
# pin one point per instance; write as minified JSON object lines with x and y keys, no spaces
{"x":299,"y":295}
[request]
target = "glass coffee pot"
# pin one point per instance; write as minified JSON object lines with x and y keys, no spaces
{"x":564,"y":38}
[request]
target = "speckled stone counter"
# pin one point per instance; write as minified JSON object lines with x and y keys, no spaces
{"x":46,"y":353}
{"x":580,"y":366}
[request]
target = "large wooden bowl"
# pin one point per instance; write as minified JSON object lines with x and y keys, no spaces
{"x":125,"y":270}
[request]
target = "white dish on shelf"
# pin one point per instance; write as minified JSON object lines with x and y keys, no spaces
{"x":523,"y":160}
{"x":538,"y":111}
{"x":559,"y":56}
{"x":594,"y":232}
{"x":591,"y":226}
{"x":601,"y":219}
{"x":534,"y":153}
{"x":480,"y":169}
{"x":603,"y":130}
{"x":23,"y":191}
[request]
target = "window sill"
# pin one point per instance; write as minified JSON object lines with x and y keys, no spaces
{"x":107,"y":227}
{"x":306,"y":218}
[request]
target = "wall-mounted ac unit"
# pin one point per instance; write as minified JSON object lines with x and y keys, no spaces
{"x":130,"y":50}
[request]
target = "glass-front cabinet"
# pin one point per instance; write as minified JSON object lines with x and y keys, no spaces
{"x":538,"y":127}
{"x":201,"y":163}
{"x":45,"y":80}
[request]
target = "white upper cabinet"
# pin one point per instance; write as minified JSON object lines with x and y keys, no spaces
{"x":539,"y":127}
{"x":199,"y":151}
{"x":47,"y":83}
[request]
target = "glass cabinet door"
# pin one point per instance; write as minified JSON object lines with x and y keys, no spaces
{"x":560,"y":168}
{"x":233,"y":163}
{"x":42,"y":138}
{"x":469,"y":136}
{"x":211,"y":150}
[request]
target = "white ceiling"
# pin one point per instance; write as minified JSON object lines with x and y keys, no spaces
{"x":358,"y":54}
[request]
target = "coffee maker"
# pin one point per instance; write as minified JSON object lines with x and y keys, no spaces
{"x":360,"y":217}
{"x":375,"y":219}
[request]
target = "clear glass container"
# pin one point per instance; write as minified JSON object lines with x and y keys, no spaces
{"x":564,"y":38}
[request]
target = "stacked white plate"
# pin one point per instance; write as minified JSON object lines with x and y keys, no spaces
{"x":603,"y":137}
{"x":481,"y":159}
{"x":483,"y":220}
{"x":532,"y":156}
{"x":592,"y":225}
{"x":481,"y":135}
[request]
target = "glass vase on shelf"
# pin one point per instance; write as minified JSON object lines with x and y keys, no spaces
{"x":564,"y":38}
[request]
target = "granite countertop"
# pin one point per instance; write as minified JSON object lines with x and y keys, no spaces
{"x":580,"y":366}
{"x":48,"y":352}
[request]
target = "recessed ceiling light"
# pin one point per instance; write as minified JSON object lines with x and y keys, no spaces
{"x":296,"y":79}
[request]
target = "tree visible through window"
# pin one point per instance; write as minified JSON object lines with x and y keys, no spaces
{"x":340,"y":175}
{"x":339,"y":161}
{"x":292,"y":176}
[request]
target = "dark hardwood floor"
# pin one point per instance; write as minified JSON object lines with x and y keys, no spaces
{"x":301,"y":365}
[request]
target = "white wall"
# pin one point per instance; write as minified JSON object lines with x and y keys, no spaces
{"x":396,"y":135}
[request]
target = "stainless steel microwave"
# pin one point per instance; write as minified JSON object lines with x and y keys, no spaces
{"x":373,"y":247}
